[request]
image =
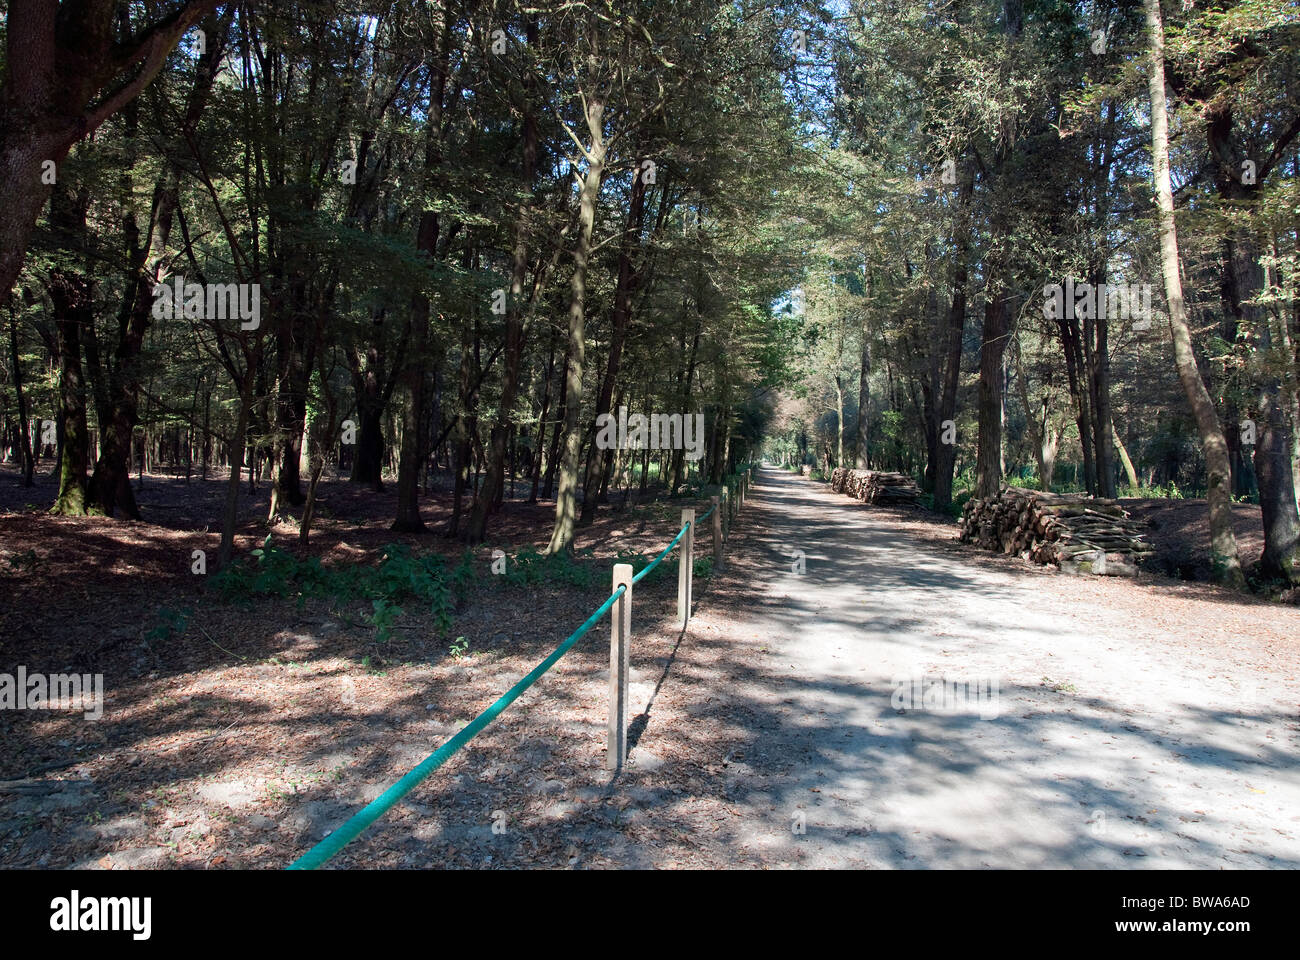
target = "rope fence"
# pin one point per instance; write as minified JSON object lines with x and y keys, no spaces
{"x":620,"y":602}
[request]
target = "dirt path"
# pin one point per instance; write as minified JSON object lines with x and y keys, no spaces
{"x":1139,"y":724}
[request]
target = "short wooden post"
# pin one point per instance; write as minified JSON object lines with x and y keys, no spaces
{"x":620,"y":634}
{"x":717,"y":534}
{"x":686,"y":564}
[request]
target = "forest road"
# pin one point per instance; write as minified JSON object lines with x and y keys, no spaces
{"x":1130,"y":724}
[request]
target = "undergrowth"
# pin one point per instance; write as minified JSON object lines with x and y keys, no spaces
{"x":400,"y":578}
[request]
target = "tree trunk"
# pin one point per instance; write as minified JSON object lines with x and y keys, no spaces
{"x":309,"y":502}
{"x":864,"y":392}
{"x":207,"y":435}
{"x":408,"y":518}
{"x":1245,"y":278}
{"x":541,"y":417}
{"x":492,"y":487}
{"x":566,"y":501}
{"x":1076,"y":377}
{"x":839,"y":421}
{"x":1036,"y":436}
{"x":71,"y":294}
{"x":946,"y":453}
{"x":1099,"y":394}
{"x":29,"y":465}
{"x":1223,"y":543}
{"x":116,"y":376}
{"x":368,"y":462}
{"x":413,"y":452}
{"x":557,"y":434}
{"x":465,"y":425}
{"x":1129,"y":472}
{"x":624,"y":287}
{"x":687,"y":376}
{"x":988,"y":468}
{"x":230,"y":515}
{"x":64,"y":76}
{"x":1280,"y":558}
{"x":290,"y":414}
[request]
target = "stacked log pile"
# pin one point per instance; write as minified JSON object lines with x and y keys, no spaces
{"x":876,"y":486}
{"x":1079,"y":533}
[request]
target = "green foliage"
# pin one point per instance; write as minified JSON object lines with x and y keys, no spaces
{"x":954,"y":507}
{"x":639,"y":561}
{"x":464,"y":574}
{"x":400,"y":578}
{"x":1168,"y":491}
{"x":530,"y":566}
{"x":169,"y":623}
{"x":667,"y":568}
{"x":893,"y":423}
{"x":385,"y":614}
{"x":959,"y":502}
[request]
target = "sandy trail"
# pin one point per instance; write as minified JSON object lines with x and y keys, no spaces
{"x":1137,"y":724}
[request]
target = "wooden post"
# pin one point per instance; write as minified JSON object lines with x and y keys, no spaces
{"x":620,"y":633}
{"x":717,"y":534}
{"x":685,"y":566}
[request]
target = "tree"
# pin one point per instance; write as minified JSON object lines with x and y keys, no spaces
{"x":68,"y":68}
{"x":1223,"y":542}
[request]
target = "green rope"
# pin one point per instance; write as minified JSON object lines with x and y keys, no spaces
{"x":656,"y":560}
{"x":341,"y":837}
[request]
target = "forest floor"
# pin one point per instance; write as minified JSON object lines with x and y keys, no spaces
{"x":1179,"y":531}
{"x":1140,"y":723}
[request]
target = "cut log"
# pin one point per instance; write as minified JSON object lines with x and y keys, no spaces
{"x":876,"y":486}
{"x":1078,"y":533}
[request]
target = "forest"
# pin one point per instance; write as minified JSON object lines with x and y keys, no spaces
{"x":856,"y":234}
{"x":348,"y":344}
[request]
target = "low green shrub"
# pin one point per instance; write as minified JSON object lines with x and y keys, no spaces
{"x":399,"y":578}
